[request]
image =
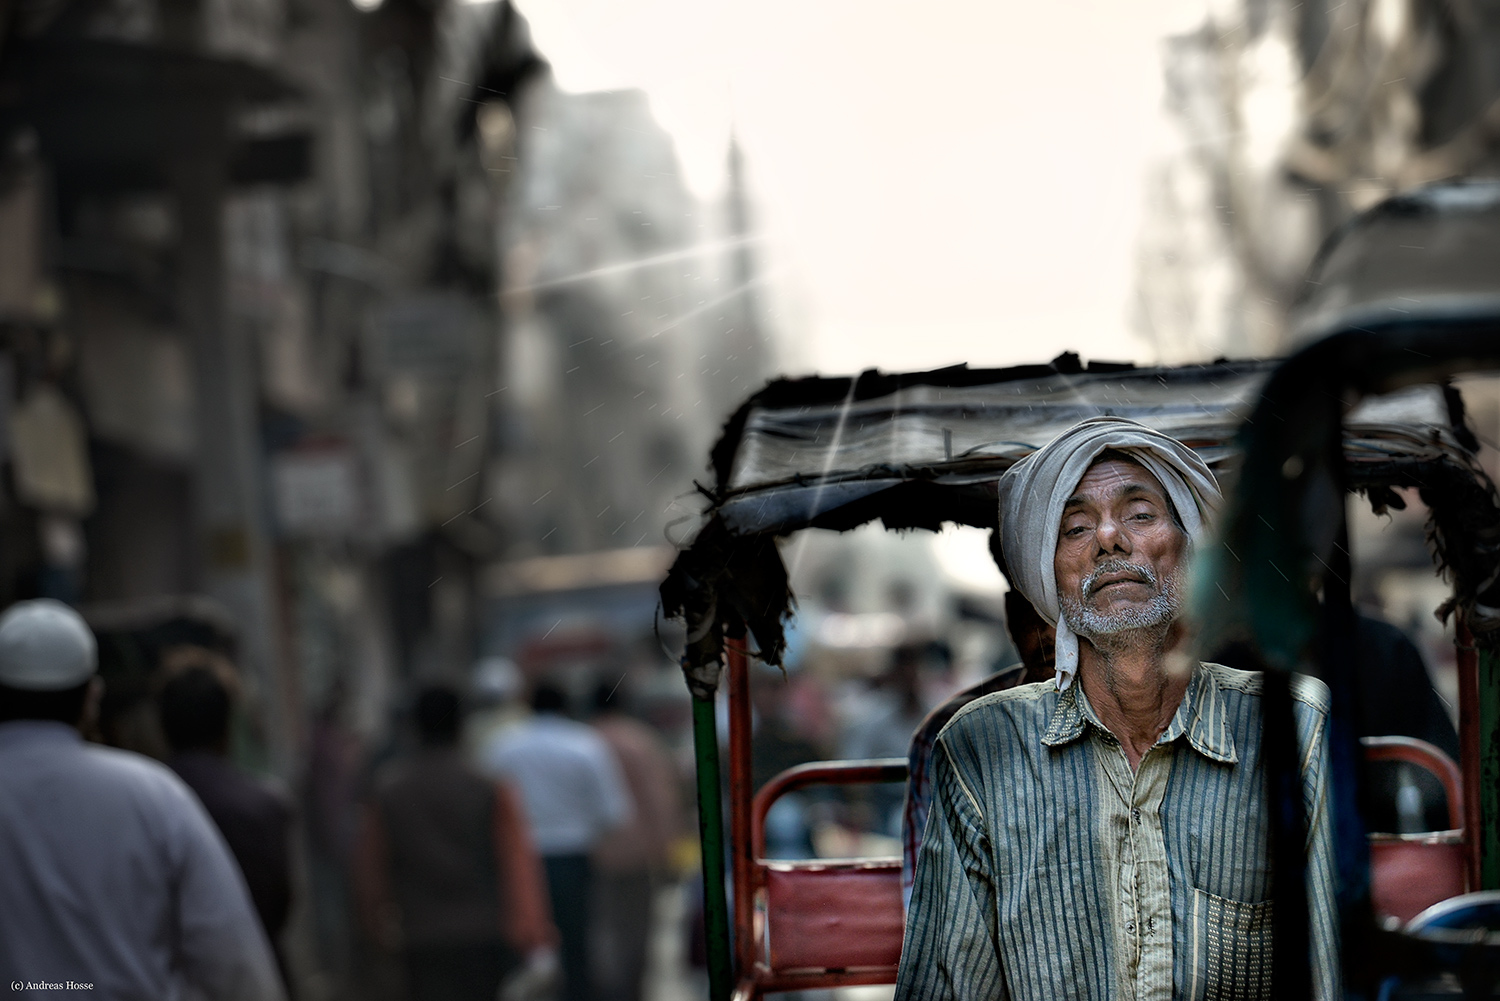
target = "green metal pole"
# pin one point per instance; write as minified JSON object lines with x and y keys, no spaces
{"x":1489,"y":768}
{"x":711,"y":837}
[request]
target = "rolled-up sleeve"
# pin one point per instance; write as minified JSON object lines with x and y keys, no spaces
{"x":951,"y":950}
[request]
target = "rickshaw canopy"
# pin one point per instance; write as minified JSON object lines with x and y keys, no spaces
{"x":921,"y":449}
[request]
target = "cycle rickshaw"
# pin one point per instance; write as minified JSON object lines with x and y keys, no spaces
{"x":1366,"y":407}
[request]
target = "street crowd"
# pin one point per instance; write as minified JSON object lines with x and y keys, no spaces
{"x":526,"y":857}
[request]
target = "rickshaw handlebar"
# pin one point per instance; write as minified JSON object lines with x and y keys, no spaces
{"x":1423,"y":755}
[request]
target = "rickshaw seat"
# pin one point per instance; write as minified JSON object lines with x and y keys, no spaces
{"x":828,"y":916}
{"x":832,"y":923}
{"x":824,"y":923}
{"x":1411,"y":872}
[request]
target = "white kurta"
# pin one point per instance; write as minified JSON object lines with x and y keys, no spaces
{"x":113,"y":875}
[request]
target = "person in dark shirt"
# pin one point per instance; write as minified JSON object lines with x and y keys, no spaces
{"x":448,"y":874}
{"x":1395,"y":697}
{"x":255,"y":820}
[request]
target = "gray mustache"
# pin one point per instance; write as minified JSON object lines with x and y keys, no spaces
{"x":1109,"y":567}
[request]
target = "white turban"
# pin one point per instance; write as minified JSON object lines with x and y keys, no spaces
{"x":1034,"y":491}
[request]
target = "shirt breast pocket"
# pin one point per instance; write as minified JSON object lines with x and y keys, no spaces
{"x":1230,"y":949}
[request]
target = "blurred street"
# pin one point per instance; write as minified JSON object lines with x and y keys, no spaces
{"x":362,"y":362}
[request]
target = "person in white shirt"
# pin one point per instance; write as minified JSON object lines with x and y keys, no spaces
{"x":113,"y":879}
{"x":574,"y":794}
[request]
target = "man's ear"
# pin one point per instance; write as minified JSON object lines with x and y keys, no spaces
{"x":88,"y":719}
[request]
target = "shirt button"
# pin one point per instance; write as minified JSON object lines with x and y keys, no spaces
{"x":1130,"y":927}
{"x":1135,"y":815}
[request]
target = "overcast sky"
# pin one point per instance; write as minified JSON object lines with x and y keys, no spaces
{"x":943,"y":182}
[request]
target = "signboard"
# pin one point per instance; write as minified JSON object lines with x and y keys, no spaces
{"x":316,"y":491}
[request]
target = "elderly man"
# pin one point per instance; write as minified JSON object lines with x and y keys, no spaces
{"x":1105,"y":835}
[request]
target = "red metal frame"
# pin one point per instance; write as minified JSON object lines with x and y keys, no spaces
{"x":752,"y":875}
{"x":1411,"y":872}
{"x":817,"y":773}
{"x":742,"y":860}
{"x":1424,"y":755}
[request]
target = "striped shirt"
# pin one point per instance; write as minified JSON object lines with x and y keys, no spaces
{"x":1049,"y":870}
{"x":918,"y":767}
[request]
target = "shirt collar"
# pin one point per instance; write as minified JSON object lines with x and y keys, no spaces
{"x":18,"y":732}
{"x":1201,"y":718}
{"x":1068,"y":717}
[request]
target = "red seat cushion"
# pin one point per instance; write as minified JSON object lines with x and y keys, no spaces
{"x":1408,"y":876}
{"x":834,"y":915}
{"x":848,"y":916}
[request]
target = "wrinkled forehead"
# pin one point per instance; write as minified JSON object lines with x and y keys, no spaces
{"x":1119,"y":475}
{"x":1115,"y":472}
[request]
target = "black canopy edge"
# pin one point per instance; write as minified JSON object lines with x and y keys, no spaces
{"x":730,"y":582}
{"x":817,"y":390}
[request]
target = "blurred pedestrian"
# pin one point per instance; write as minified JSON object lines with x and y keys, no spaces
{"x":782,"y":736}
{"x":574,"y":795}
{"x":1395,"y":696}
{"x":112,"y":875}
{"x":890,"y":714}
{"x":497,"y":693}
{"x":631,"y":862}
{"x":893,"y":708}
{"x":255,"y":819}
{"x":330,"y":797}
{"x":448,"y":875}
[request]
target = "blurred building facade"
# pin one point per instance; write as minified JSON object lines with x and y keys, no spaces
{"x":1283,"y":120}
{"x":624,"y":353}
{"x":253,"y":348}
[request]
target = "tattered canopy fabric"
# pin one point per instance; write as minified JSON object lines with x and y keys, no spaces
{"x":1034,"y":491}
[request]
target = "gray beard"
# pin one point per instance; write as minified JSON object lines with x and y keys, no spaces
{"x":1127,"y":627}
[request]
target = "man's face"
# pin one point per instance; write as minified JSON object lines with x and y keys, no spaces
{"x":1118,"y":552}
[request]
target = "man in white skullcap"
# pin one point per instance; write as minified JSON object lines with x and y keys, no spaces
{"x":114,"y":882}
{"x":1105,"y":834}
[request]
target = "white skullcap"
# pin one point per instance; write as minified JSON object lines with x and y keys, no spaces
{"x":497,"y":679}
{"x":1035,"y":490}
{"x":45,"y":646}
